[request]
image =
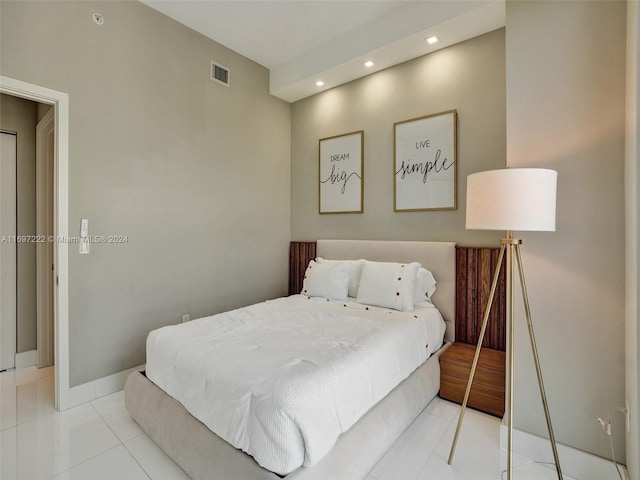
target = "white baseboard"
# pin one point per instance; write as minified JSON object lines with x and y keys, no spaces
{"x":26,"y":359}
{"x":89,"y":391}
{"x":573,"y":462}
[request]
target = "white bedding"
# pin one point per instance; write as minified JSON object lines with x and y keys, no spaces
{"x":281,"y":380}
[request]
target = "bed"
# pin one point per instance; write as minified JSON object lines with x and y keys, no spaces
{"x":363,"y":439}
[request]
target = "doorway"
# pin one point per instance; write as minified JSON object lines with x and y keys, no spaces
{"x":26,"y":261}
{"x":8,"y":250}
{"x":60,"y":101}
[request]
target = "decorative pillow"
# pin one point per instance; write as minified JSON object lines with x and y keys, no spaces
{"x":355,"y":273}
{"x":328,"y":280}
{"x":425,"y":287}
{"x":390,"y":285}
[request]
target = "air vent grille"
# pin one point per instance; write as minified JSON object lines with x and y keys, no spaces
{"x":220,"y":74}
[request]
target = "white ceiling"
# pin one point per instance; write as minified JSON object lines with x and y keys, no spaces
{"x":301,"y":41}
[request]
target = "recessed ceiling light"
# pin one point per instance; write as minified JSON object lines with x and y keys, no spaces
{"x":369,"y":64}
{"x":319,"y":83}
{"x":432,"y":39}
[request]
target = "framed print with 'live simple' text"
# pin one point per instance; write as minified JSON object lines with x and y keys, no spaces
{"x":425,"y":163}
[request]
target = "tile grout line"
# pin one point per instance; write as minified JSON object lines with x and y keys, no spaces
{"x":124,"y":444}
{"x":438,"y":444}
{"x":136,"y":460}
{"x":121,"y":443}
{"x":106,"y":423}
{"x":435,"y":447}
{"x":83,"y":462}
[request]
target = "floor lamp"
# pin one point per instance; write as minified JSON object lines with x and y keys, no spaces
{"x":520,"y":199}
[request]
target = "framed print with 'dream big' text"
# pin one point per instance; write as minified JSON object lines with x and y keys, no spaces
{"x":341,"y":173}
{"x":425,"y":163}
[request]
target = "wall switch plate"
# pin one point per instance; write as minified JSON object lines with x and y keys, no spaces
{"x":627,"y":416}
{"x":84,"y":245}
{"x":84,"y":227}
{"x":83,"y":242}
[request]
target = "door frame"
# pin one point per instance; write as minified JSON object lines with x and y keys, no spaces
{"x":60,"y":101}
{"x":44,"y":228}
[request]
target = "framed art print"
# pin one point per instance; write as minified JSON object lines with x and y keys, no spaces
{"x":341,"y":173}
{"x":425,"y":163}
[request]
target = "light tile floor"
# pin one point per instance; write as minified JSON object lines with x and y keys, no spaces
{"x":99,"y":441}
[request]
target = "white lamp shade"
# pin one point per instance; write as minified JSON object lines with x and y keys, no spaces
{"x":522,"y":199}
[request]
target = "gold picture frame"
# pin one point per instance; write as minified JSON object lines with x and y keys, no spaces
{"x":425,"y":163}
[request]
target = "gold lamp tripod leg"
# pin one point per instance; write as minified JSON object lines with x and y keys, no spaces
{"x":514,"y":250}
{"x":536,"y":360}
{"x":474,"y":364}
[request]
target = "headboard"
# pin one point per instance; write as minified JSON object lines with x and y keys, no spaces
{"x":438,"y":257}
{"x":473,"y":272}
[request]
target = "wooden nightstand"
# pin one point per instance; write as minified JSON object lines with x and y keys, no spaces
{"x":487,"y":391}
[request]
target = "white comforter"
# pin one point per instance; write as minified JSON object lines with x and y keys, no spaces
{"x":281,"y":380}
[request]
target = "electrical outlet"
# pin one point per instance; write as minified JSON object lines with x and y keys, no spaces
{"x":185,"y":318}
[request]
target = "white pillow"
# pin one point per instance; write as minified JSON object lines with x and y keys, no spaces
{"x":328,"y":280}
{"x":390,"y":285}
{"x":355,"y":273}
{"x":425,"y":287}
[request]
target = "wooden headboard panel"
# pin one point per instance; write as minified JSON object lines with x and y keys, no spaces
{"x":300,"y":254}
{"x":474,"y":268}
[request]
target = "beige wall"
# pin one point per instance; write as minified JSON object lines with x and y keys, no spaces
{"x":195,"y":174}
{"x":43,"y":109}
{"x":19,"y":115}
{"x":566,"y":111}
{"x":469,"y":77}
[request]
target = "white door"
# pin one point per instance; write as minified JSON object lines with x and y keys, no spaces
{"x":8,"y":250}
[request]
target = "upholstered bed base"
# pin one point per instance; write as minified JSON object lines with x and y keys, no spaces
{"x":205,"y":456}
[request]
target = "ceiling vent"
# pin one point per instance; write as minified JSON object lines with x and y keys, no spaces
{"x":220,"y":74}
